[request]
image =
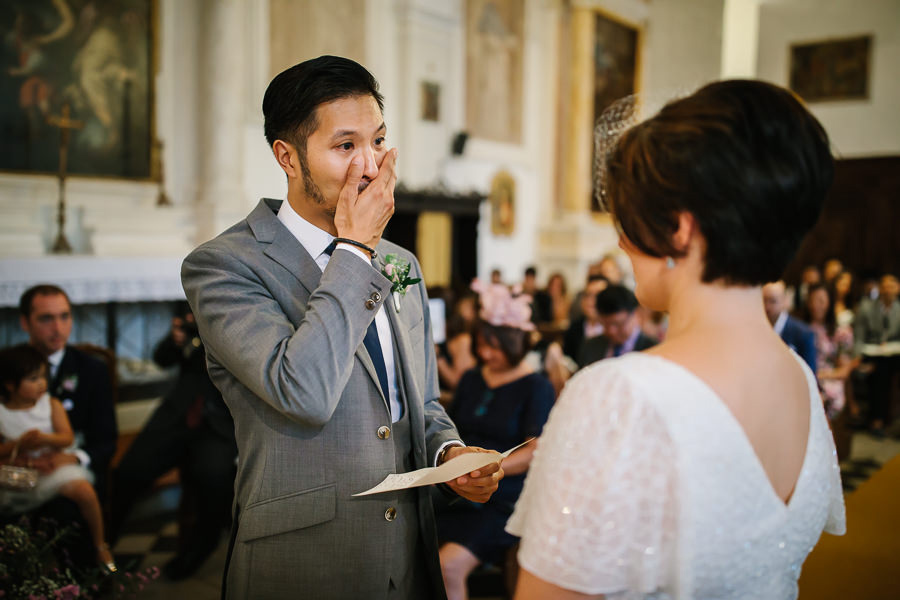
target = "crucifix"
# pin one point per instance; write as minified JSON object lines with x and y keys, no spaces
{"x":61,"y":245}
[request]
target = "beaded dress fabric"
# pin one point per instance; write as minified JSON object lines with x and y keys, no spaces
{"x":644,"y":485}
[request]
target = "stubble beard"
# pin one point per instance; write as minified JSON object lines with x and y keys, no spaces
{"x":312,"y":190}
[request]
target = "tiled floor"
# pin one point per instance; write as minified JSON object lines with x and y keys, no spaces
{"x":152,"y":534}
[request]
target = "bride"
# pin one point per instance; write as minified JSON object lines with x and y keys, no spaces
{"x":703,"y":468}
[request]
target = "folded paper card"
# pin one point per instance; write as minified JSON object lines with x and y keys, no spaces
{"x":456,"y":467}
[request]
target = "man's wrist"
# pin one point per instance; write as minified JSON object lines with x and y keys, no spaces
{"x":444,"y":450}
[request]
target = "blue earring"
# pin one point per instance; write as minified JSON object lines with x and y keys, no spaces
{"x":670,"y":262}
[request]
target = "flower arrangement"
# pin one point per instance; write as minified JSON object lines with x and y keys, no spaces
{"x":396,"y":269}
{"x":501,"y":308}
{"x":31,"y":570}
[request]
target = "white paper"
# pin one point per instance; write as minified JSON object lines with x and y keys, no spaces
{"x":456,"y":467}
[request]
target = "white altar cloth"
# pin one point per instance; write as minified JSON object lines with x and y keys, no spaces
{"x":94,"y":279}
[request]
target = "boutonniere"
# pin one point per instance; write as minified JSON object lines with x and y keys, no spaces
{"x":396,"y":270}
{"x":70,"y":383}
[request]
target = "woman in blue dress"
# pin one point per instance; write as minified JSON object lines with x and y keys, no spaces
{"x":497,"y":405}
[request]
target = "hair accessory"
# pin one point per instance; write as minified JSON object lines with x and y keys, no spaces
{"x":501,"y":308}
{"x":670,"y":262}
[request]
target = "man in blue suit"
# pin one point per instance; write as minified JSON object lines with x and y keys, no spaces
{"x":795,"y":334}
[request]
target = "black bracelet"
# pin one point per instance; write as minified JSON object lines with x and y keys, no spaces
{"x":357,"y":244}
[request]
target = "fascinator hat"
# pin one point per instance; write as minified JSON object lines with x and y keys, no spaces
{"x":501,"y":308}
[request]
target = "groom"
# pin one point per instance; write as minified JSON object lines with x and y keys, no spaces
{"x":332,"y":387}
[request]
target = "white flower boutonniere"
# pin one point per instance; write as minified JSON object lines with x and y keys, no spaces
{"x":70,"y":383}
{"x":396,"y":270}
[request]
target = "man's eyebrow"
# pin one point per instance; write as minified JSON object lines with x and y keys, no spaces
{"x":352,"y":132}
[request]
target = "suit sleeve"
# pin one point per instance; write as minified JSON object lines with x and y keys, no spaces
{"x":807,"y":348}
{"x":439,"y":428}
{"x":101,"y":431}
{"x":299,"y":371}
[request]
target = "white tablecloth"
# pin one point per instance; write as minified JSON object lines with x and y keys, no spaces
{"x":93,"y":279}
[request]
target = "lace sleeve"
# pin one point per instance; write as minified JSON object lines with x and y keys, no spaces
{"x":597,"y":513}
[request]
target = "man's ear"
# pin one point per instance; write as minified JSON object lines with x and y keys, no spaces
{"x":687,"y":226}
{"x":287,"y":157}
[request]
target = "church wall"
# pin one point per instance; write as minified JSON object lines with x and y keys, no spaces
{"x":857,"y":128}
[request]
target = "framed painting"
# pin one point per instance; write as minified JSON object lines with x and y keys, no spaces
{"x":495,"y":46}
{"x":431,"y":101}
{"x":503,"y":204}
{"x":616,"y":47}
{"x":831,"y":70}
{"x":94,"y":60}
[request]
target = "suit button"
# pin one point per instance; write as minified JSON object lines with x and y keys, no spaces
{"x":384,"y":432}
{"x":390,"y":514}
{"x":371,"y":304}
{"x":375,"y":296}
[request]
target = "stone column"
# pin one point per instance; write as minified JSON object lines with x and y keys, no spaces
{"x":220,"y":142}
{"x":578,"y":135}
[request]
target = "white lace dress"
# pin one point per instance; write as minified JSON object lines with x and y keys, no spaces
{"x":644,"y":485}
{"x":13,"y":423}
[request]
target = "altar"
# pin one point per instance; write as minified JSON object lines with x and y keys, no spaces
{"x":122,"y":303}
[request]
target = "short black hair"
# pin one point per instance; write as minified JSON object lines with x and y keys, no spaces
{"x":43,"y":289}
{"x":17,"y":363}
{"x":290,"y":102}
{"x":513,"y":342}
{"x":530,"y":271}
{"x":745,"y":158}
{"x":615,"y":299}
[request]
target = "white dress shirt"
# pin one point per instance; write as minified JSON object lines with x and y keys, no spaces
{"x":315,"y":241}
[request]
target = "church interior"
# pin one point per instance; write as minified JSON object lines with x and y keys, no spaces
{"x":133,"y":132}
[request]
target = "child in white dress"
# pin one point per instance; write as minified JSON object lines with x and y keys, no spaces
{"x":34,"y":425}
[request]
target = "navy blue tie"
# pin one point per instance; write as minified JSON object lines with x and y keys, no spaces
{"x":373,"y":346}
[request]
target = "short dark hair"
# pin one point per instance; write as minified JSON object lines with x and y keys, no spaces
{"x":530,"y":271}
{"x":830,"y":317}
{"x":745,"y":158}
{"x":17,"y":363}
{"x":43,"y":289}
{"x":290,"y":102}
{"x":615,"y":299}
{"x":513,"y":342}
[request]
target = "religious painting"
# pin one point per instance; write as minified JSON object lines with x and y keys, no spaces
{"x":832,"y":70}
{"x":494,"y":50}
{"x":431,"y":98}
{"x":90,"y":59}
{"x":503,"y":204}
{"x":616,"y":46}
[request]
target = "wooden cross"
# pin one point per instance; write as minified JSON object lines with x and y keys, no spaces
{"x":61,"y":246}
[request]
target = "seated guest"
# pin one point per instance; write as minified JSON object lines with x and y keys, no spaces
{"x":833,"y":267}
{"x":192,"y":429}
{"x":877,"y":322}
{"x":794,"y":332}
{"x":834,"y":348}
{"x":559,"y":300}
{"x":498,"y":405}
{"x":32,"y":423}
{"x":454,"y":356}
{"x":617,"y":310}
{"x":810,"y":276}
{"x":844,"y":302}
{"x":588,"y":325}
{"x":78,"y":380}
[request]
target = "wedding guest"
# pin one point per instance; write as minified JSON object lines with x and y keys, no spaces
{"x":588,"y":325}
{"x":33,"y":424}
{"x":878,"y":322}
{"x":810,"y":275}
{"x":497,"y":405}
{"x":834,"y":348}
{"x":833,"y":267}
{"x":703,"y":467}
{"x":455,"y":357}
{"x":78,"y":380}
{"x":557,"y":292}
{"x":793,"y":331}
{"x":617,"y":311}
{"x":844,"y":301}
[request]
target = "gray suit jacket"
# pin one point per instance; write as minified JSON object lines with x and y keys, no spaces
{"x":869,"y":325}
{"x":284,"y":346}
